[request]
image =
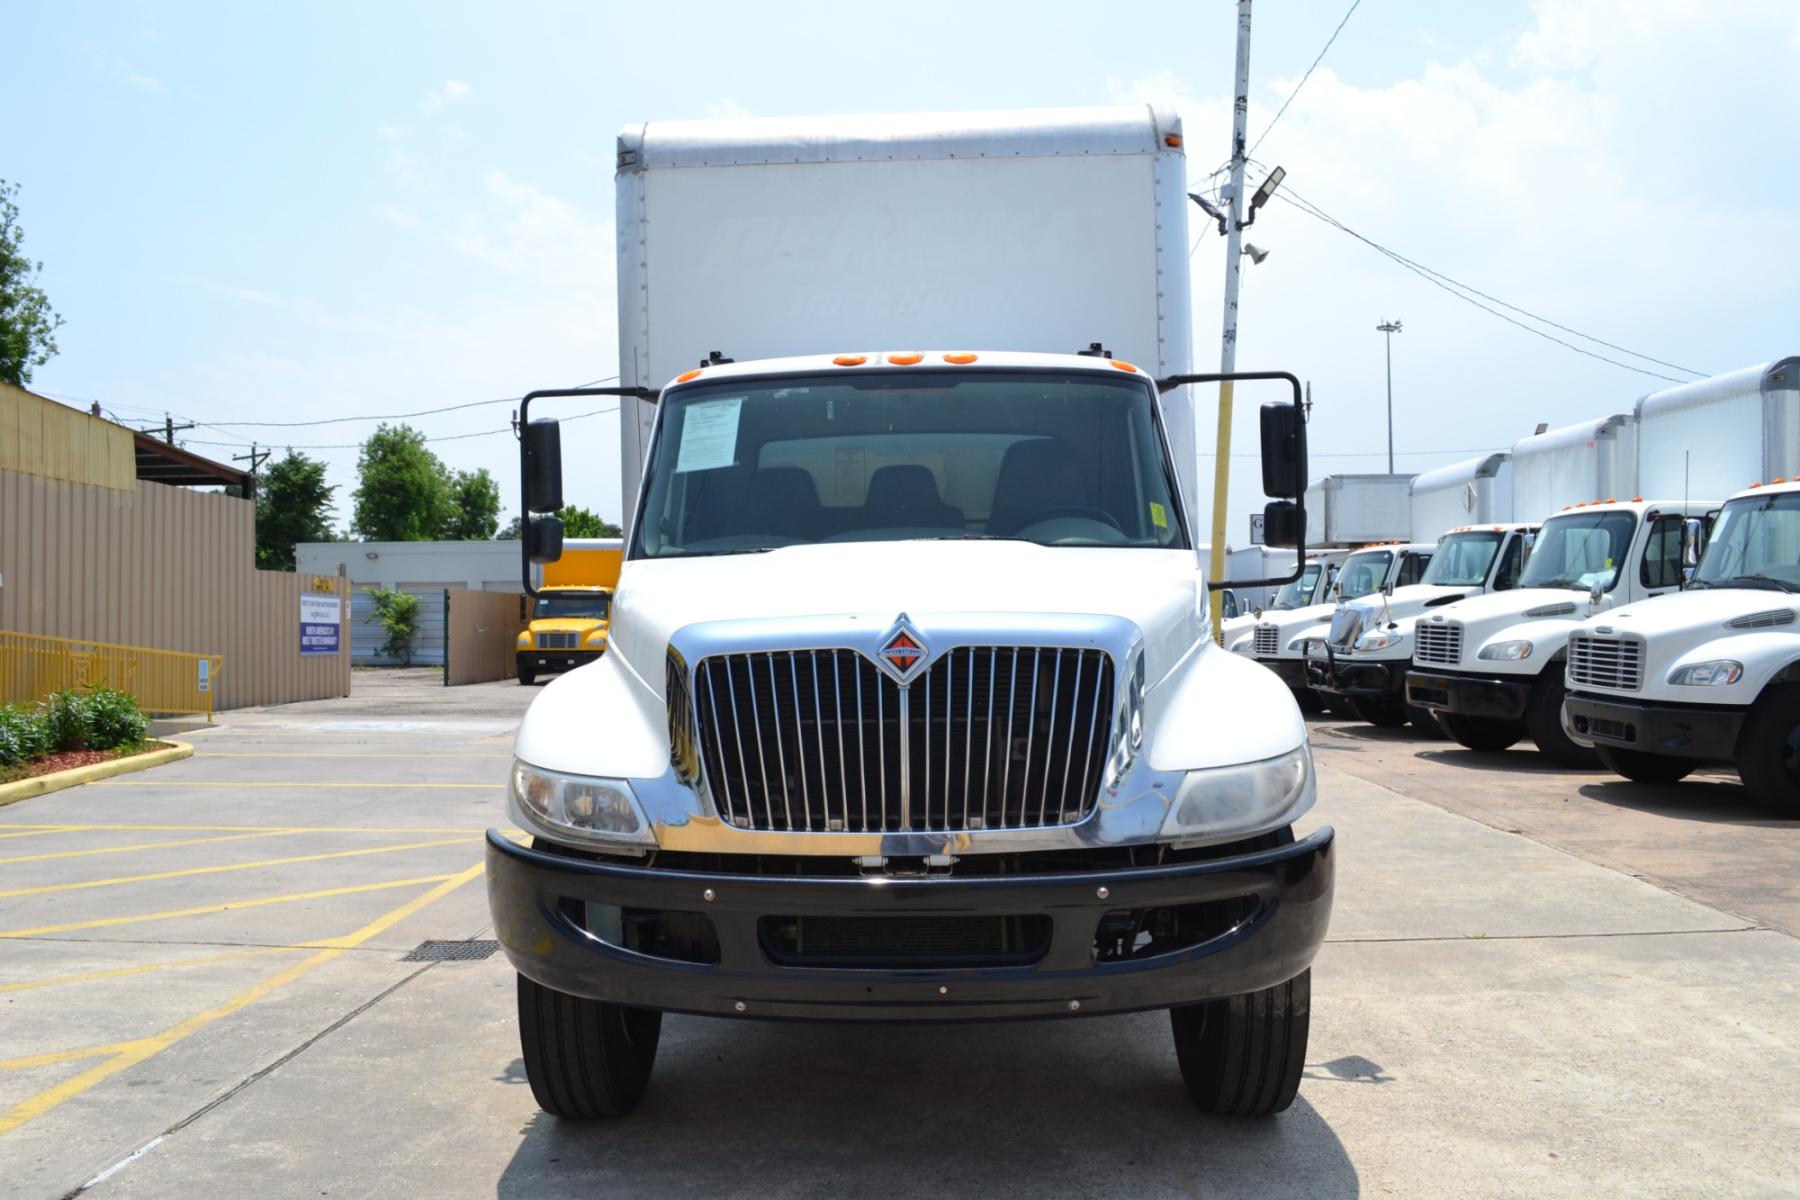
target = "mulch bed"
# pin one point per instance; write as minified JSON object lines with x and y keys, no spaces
{"x":66,"y":760}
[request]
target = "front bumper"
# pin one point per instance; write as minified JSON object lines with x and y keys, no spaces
{"x":1686,"y":731}
{"x":1493,"y":697}
{"x":1290,"y":888}
{"x":1326,"y":672}
{"x":556,"y":660}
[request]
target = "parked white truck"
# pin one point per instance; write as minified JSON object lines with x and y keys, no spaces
{"x":1314,"y":586}
{"x":1354,"y":510}
{"x":1475,"y":492}
{"x":911,"y":708}
{"x":1711,"y":674}
{"x":1363,"y":659}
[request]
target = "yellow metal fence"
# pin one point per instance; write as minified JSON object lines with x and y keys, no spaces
{"x":161,"y":681}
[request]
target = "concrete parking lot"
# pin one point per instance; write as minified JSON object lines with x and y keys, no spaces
{"x":1537,"y":984}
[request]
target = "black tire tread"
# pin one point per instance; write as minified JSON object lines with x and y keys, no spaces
{"x":1543,"y":721}
{"x":1483,"y":734}
{"x":1759,"y":755}
{"x":579,"y":1060}
{"x":1640,"y":767}
{"x":1242,"y":1056}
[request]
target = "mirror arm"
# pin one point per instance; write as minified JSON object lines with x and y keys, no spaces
{"x":1171,"y":382}
{"x":650,"y":395}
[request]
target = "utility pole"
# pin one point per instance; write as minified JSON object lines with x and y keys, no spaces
{"x":256,"y":461}
{"x":1234,"y":213}
{"x":1390,"y":328}
{"x":170,"y":428}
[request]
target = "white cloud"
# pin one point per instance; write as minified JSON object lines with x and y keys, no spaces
{"x":526,"y":231}
{"x":390,"y":133}
{"x":454,"y":91}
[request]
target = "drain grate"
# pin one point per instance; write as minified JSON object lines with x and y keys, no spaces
{"x":450,"y":951}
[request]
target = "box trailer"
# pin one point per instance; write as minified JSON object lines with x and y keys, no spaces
{"x":1354,"y":510}
{"x":1475,"y":492}
{"x":1715,"y":436}
{"x":1576,"y":464}
{"x":1257,"y":562}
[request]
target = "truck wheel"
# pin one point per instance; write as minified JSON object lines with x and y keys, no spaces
{"x":585,"y":1058}
{"x":1388,"y":714}
{"x":1425,"y":722}
{"x":1480,"y":733}
{"x":1768,"y":758}
{"x":1308,"y":700}
{"x":527,"y":677}
{"x":1543,"y":720}
{"x":1242,"y":1056}
{"x":1639,"y":767}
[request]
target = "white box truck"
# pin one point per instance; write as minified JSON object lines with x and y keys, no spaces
{"x":1588,"y":462}
{"x":1477,"y":491}
{"x":910,"y":708}
{"x":1355,"y":510}
{"x":1715,"y":436}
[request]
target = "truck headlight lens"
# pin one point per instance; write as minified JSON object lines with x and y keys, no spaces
{"x":1506,"y":651}
{"x":579,"y":806}
{"x":597,"y":639}
{"x":1223,"y":803}
{"x":1379,"y":641}
{"x":1719,"y":673}
{"x":1298,"y":645}
{"x":524,"y":640}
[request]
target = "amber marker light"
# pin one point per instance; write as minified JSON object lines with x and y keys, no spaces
{"x":850,"y":360}
{"x":686,"y":376}
{"x":909,"y":359}
{"x":1122,"y":365}
{"x":959,"y":357}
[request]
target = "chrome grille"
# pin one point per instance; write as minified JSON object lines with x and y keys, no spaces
{"x":558,"y":639}
{"x":989,"y":737}
{"x":1606,"y":662}
{"x":1438,"y":642}
{"x":1346,"y":626}
{"x":1268,"y":641}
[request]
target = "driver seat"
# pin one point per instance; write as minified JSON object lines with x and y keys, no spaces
{"x":1035,"y":476}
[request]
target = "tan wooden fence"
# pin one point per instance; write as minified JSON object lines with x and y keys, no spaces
{"x":163,"y":568}
{"x":480,"y":636}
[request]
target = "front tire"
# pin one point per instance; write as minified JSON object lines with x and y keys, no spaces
{"x":1242,"y":1056}
{"x":1543,"y":720}
{"x":1384,"y":713}
{"x":1769,"y":752}
{"x":585,"y":1058}
{"x":1425,"y":722}
{"x":1484,"y":734}
{"x":1639,"y":767}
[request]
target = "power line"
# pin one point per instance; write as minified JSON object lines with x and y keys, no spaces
{"x":1466,"y":293}
{"x":1307,"y":76}
{"x":423,"y":412}
{"x":449,"y":437}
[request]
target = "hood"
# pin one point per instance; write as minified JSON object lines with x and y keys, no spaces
{"x":1409,"y":601}
{"x":1511,"y":607}
{"x":932,"y":582}
{"x":1702,"y":609}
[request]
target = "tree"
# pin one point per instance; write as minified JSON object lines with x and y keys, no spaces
{"x":27,"y":322}
{"x":577,"y":522}
{"x":405,"y":493}
{"x":293,"y":504}
{"x":398,"y":615}
{"x":475,"y":507}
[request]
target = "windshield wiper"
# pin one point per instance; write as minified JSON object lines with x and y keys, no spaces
{"x":1768,"y":582}
{"x":723,"y":553}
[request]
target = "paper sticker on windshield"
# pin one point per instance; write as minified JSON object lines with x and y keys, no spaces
{"x":709,"y":432}
{"x":1159,"y":515}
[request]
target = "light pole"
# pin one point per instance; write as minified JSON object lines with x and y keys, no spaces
{"x":1390,"y":328}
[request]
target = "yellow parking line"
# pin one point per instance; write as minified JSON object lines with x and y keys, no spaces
{"x":204,"y":909}
{"x":37,"y":830}
{"x":63,"y":1056}
{"x":284,"y":783}
{"x":218,"y":868}
{"x":132,"y":1053}
{"x":205,"y":841}
{"x":144,"y":969}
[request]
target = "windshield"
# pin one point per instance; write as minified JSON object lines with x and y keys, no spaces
{"x":593,"y":605}
{"x":1364,"y":573}
{"x":1580,"y":551}
{"x":1298,"y":594}
{"x":1058,"y":460}
{"x":1462,"y":559}
{"x":1755,"y":542}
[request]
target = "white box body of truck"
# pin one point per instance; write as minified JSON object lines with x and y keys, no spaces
{"x":1043,"y":230}
{"x":1477,"y":491}
{"x":1575,"y":464}
{"x":1716,"y":436}
{"x":1354,"y":510}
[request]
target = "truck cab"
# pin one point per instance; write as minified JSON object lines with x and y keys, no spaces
{"x":1279,"y":639}
{"x":571,"y":611}
{"x":1314,"y":586}
{"x":1710,"y":674}
{"x":1491,"y":667}
{"x":1363,"y":658}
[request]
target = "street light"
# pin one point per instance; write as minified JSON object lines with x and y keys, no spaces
{"x":1390,"y":328}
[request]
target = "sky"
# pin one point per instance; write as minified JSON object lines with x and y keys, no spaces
{"x":258,"y":213}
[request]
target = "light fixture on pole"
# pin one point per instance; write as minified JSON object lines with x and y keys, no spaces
{"x":1390,"y":328}
{"x":1256,"y":253}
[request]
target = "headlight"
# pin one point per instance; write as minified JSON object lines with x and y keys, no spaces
{"x":1718,"y":673}
{"x":597,"y":638}
{"x":1506,"y":651}
{"x":1225,"y":803}
{"x":579,"y":806}
{"x":524,"y":640}
{"x":1379,"y":641}
{"x":1298,"y":645}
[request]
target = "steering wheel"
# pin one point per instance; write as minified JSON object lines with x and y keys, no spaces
{"x":1073,"y":510}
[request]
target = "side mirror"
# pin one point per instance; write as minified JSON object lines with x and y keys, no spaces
{"x":1693,"y":537}
{"x":541,"y":467}
{"x":1387,"y":587}
{"x":1281,"y":524}
{"x":1283,"y":455}
{"x":1596,"y":593}
{"x":543,"y":540}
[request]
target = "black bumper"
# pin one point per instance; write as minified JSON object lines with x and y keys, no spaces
{"x":542,"y":661}
{"x":1292,"y":671}
{"x":1353,"y":677}
{"x":1686,"y":732}
{"x":1290,"y":888}
{"x":1492,"y":697}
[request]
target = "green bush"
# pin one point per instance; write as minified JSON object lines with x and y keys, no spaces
{"x":69,"y":721}
{"x":397,"y":613}
{"x":114,"y":720}
{"x":24,"y":734}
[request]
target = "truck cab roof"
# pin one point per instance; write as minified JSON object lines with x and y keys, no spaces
{"x":909,"y":360}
